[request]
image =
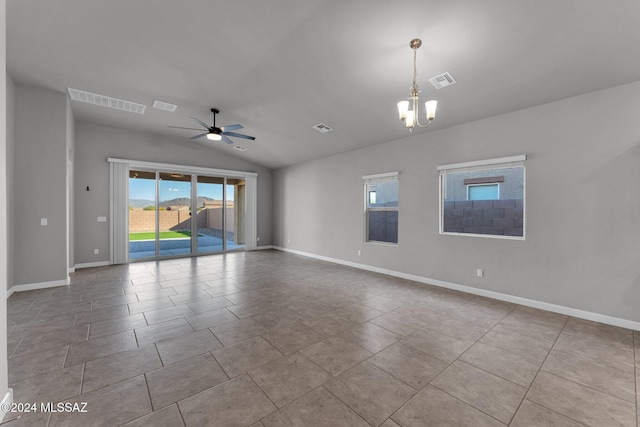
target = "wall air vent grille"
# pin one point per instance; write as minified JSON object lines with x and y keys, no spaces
{"x":322,"y":128}
{"x":106,"y":101}
{"x":442,"y":80}
{"x":160,"y":105}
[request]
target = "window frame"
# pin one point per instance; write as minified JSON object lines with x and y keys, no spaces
{"x":486,"y":184}
{"x":517,"y":161}
{"x":372,"y":179}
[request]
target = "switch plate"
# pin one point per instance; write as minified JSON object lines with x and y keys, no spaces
{"x":480,"y":272}
{"x":96,"y":251}
{"x":43,"y":221}
{"x":102,"y":219}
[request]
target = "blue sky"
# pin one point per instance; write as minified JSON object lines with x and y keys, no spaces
{"x":145,"y":189}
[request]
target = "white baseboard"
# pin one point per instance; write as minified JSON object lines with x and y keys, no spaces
{"x":335,"y":260}
{"x":261,"y":248}
{"x":8,"y":399}
{"x":34,"y":286}
{"x":569,"y":311}
{"x":92,"y":264}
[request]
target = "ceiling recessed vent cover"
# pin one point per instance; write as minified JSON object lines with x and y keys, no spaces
{"x":322,"y":128}
{"x":444,"y":79}
{"x":106,"y":101}
{"x":164,"y":106}
{"x":239,"y":148}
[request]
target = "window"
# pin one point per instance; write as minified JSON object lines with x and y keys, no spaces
{"x":483,"y":191}
{"x":381,"y":207}
{"x":484,"y":198}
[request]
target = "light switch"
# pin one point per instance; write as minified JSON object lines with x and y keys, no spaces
{"x":43,"y":221}
{"x":102,"y":219}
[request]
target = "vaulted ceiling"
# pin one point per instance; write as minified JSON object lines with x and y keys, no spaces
{"x":281,"y":66}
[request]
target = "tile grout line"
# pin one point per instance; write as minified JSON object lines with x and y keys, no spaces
{"x":146,"y":385}
{"x":596,"y":362}
{"x":181,"y":416}
{"x":84,"y":367}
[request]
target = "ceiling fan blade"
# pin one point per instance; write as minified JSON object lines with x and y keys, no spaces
{"x":232,"y":127}
{"x":199,"y":136}
{"x":206,"y":126}
{"x":178,"y":127}
{"x":226,"y":140}
{"x":239,"y":135}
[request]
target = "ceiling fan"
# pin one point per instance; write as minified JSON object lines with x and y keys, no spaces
{"x":215,"y":133}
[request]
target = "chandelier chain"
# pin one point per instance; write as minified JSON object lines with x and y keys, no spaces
{"x":415,"y":68}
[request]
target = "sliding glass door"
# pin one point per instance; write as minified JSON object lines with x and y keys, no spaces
{"x":173,"y":214}
{"x":234,"y":221}
{"x":142,"y":214}
{"x":210,"y":214}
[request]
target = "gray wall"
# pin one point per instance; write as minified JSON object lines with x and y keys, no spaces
{"x":40,"y":185}
{"x":11,"y":101}
{"x":582,"y":169}
{"x":70,"y":183}
{"x":4,"y":375}
{"x":94,"y":144}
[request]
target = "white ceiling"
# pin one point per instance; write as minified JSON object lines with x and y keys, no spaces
{"x":281,"y":66}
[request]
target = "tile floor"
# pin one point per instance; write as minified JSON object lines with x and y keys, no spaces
{"x":273,"y":339}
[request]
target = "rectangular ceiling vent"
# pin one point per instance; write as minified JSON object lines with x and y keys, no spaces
{"x":164,"y":106}
{"x":442,"y":80}
{"x":106,"y":101}
{"x":240,"y":148}
{"x":322,"y":128}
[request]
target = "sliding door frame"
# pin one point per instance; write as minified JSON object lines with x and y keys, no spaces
{"x":119,"y":197}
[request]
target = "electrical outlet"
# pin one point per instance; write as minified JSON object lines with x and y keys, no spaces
{"x":43,"y":221}
{"x":288,"y":240}
{"x":480,"y":272}
{"x":96,"y":251}
{"x":258,"y":239}
{"x":359,"y":252}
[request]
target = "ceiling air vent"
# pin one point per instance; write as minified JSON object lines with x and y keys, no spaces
{"x":442,"y":80}
{"x":322,"y":128}
{"x":106,"y":101}
{"x":164,"y":106}
{"x":239,"y":148}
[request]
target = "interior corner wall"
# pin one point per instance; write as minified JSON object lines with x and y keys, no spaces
{"x":40,"y":186}
{"x":70,"y":186}
{"x":5,"y":392}
{"x":9,"y":171}
{"x":95,"y":144}
{"x":582,"y":204}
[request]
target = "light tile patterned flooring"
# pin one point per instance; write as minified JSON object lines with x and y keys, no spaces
{"x":273,"y":339}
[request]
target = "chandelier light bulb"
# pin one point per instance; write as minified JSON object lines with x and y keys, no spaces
{"x":431,"y":106}
{"x":214,"y":136}
{"x":410,"y":119}
{"x":403,"y":107}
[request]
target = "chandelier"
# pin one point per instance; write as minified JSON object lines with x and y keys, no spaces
{"x":411,"y":117}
